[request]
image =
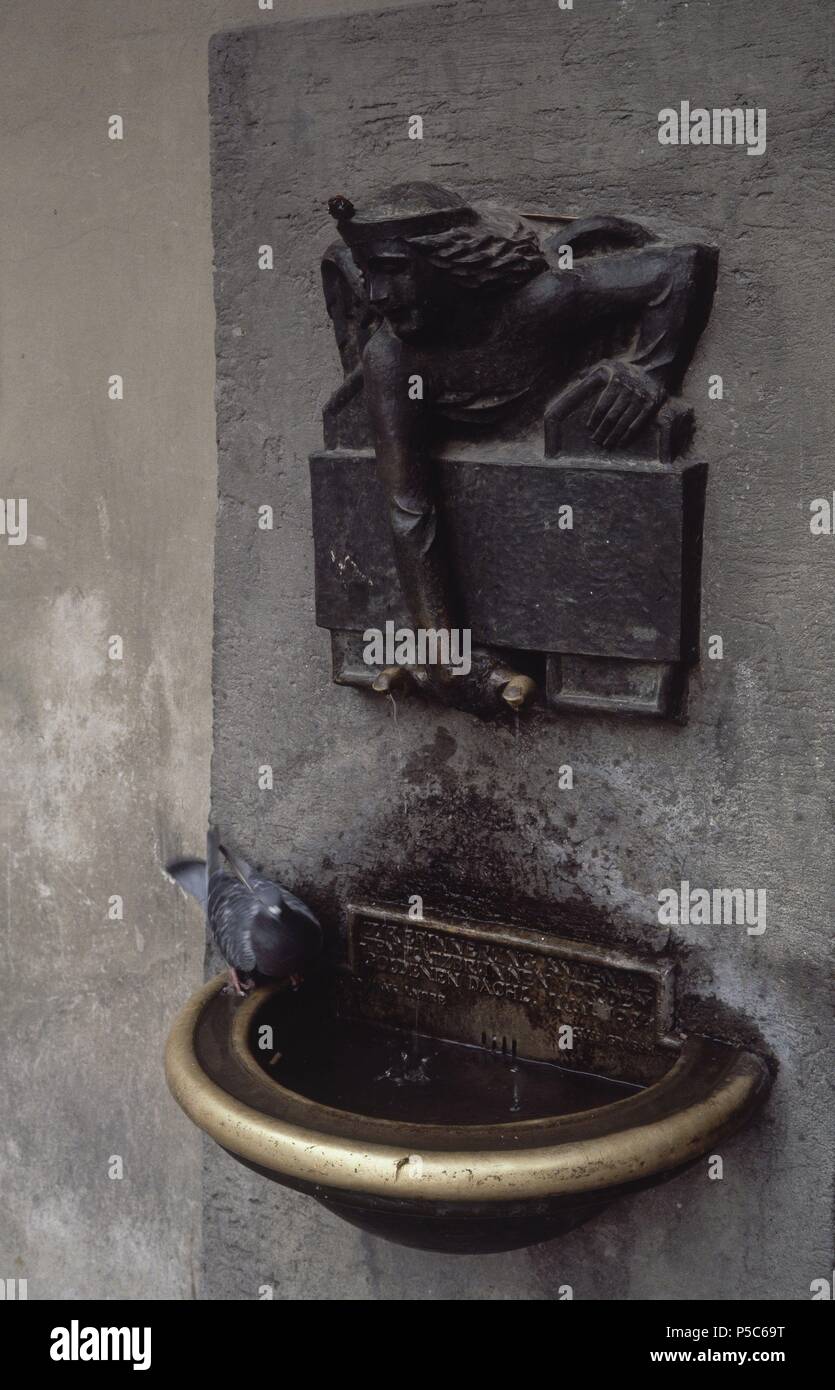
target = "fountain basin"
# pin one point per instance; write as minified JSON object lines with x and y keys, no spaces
{"x":446,"y":1143}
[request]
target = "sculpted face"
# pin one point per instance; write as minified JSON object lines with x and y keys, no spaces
{"x":398,"y":285}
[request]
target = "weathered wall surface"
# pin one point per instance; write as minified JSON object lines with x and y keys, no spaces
{"x":106,"y":267}
{"x":544,"y":108}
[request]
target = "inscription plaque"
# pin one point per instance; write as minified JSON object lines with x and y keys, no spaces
{"x":512,"y":990}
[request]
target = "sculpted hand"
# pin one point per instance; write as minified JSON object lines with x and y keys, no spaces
{"x":629,"y":398}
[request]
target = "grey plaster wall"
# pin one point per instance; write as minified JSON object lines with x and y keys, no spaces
{"x":105,"y":267}
{"x":545,"y":108}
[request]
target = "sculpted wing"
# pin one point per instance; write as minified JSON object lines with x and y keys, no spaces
{"x":599,"y":235}
{"x":347,"y":303}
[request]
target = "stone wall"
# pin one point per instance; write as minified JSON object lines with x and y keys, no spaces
{"x":106,"y":267}
{"x":544,"y":108}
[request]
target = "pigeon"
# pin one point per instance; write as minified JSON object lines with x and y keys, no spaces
{"x":260,"y":928}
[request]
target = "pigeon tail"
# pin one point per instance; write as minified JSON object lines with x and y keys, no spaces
{"x":191,"y":875}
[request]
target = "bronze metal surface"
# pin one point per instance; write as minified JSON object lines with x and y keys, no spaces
{"x":474,"y":982}
{"x":708,"y":1092}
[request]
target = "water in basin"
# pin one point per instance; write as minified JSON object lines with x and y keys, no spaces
{"x":372,"y":1070}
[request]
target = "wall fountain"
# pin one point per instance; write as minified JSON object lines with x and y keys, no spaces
{"x":478,"y":1066}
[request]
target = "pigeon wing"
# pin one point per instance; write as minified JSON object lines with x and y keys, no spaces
{"x":233,"y":911}
{"x":278,"y":953}
{"x":294,"y":907}
{"x":274,"y":895}
{"x":287,"y":946}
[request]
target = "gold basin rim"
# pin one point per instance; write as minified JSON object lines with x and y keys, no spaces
{"x":625,"y":1155}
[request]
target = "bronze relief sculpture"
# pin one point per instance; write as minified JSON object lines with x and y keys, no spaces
{"x":465,"y":343}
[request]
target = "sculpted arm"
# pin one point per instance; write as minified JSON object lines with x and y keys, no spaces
{"x":403,"y":465}
{"x":669,"y":290}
